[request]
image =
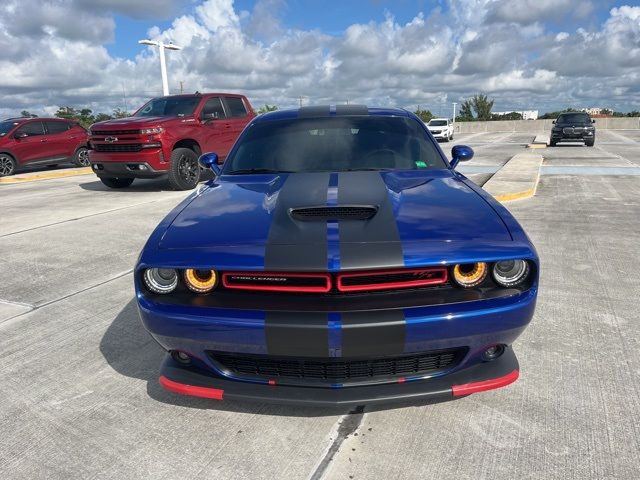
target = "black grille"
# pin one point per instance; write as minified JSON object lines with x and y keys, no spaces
{"x":339,"y":370}
{"x":117,"y":147}
{"x":334,"y":213}
{"x":115,"y":132}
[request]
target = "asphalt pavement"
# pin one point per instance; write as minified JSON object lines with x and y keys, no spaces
{"x":78,"y":373}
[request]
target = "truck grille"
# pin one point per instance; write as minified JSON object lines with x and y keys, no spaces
{"x":117,"y":147}
{"x":337,"y":370}
{"x":114,"y":132}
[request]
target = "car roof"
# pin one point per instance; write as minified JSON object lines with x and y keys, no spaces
{"x":439,"y":119}
{"x":321,"y":111}
{"x":25,"y":119}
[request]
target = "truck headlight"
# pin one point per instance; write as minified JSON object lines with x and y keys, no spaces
{"x":150,"y":131}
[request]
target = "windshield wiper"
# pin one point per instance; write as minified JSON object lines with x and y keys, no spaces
{"x":256,"y":170}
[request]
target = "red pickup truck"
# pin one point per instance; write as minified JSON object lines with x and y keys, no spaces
{"x":166,"y":136}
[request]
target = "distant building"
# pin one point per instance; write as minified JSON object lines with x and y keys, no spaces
{"x":526,"y":114}
{"x":595,"y":110}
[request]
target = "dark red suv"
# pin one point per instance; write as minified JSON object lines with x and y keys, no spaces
{"x":41,"y":141}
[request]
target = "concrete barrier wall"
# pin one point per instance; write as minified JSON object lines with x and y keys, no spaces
{"x":541,"y":126}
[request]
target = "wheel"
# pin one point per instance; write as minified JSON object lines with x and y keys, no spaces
{"x":113,"y":182}
{"x":7,"y":165}
{"x":590,"y":143}
{"x":446,"y":139}
{"x":81,"y":157}
{"x":184,"y":173}
{"x":451,"y":137}
{"x":552,"y":143}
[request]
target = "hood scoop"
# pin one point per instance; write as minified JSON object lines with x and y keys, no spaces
{"x":339,"y":212}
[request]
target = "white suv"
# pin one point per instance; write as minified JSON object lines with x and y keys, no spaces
{"x":441,"y":129}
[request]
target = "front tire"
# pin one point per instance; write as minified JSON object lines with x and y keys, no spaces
{"x":184,"y":173}
{"x":81,"y":157}
{"x":552,"y":143}
{"x":590,"y":143}
{"x":112,"y":182}
{"x":7,"y":165}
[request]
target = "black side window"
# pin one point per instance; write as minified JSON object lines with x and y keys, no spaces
{"x":32,"y":129}
{"x":212,"y":109}
{"x":57,"y":127}
{"x":236,"y":106}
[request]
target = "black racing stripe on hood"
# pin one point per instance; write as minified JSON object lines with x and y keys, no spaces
{"x":373,"y":243}
{"x":295,"y":334}
{"x":293,"y":245}
{"x":373,"y":334}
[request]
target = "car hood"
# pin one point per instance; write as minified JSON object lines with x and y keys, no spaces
{"x":412,"y":206}
{"x":132,"y":122}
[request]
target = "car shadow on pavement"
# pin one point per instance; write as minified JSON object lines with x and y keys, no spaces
{"x":131,"y":351}
{"x":153,"y":185}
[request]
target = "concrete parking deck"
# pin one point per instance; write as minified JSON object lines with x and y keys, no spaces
{"x":80,"y":397}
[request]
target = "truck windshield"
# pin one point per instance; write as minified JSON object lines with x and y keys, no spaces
{"x":5,"y":127}
{"x":333,"y":144}
{"x":573,"y":118}
{"x":438,"y":123}
{"x":169,"y":107}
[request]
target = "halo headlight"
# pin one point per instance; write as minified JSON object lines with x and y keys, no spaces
{"x":470,"y":274}
{"x":200,"y":281}
{"x":509,"y":273}
{"x":161,"y":280}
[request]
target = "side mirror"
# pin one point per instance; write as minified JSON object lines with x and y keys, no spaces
{"x":19,"y":135}
{"x":207,"y":117}
{"x":554,"y":122}
{"x":460,"y":153}
{"x":593,"y":121}
{"x":210,"y":160}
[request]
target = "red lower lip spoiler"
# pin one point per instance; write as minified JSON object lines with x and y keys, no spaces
{"x":183,"y":389}
{"x":474,"y":387}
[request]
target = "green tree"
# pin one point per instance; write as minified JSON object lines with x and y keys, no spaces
{"x":117,"y":113}
{"x":86,"y":117}
{"x":466,"y":112}
{"x":69,"y":113}
{"x":482,"y":106}
{"x":267,"y":108}
{"x":27,"y":113}
{"x":424,"y":115}
{"x":101,"y":117}
{"x":507,"y":116}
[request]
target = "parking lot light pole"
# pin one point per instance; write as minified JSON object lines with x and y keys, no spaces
{"x":163,"y":65}
{"x":454,"y":112}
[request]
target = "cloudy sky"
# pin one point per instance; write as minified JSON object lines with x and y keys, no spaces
{"x":526,"y":54}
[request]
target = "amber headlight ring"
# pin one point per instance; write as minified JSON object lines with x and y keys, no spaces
{"x":469,"y":275}
{"x":200,"y":280}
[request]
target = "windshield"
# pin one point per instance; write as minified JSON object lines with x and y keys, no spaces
{"x":438,"y":123}
{"x":333,"y":144}
{"x":5,"y":127}
{"x":574,"y":118}
{"x":169,"y":107}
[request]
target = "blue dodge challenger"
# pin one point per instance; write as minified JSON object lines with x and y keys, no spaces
{"x":337,"y":258}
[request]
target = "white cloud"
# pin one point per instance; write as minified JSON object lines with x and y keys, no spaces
{"x":433,"y":59}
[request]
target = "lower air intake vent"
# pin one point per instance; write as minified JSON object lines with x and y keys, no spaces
{"x":344,"y":212}
{"x":338,"y":370}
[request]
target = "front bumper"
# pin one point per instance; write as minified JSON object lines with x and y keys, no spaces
{"x":143,"y":164}
{"x":480,"y":377}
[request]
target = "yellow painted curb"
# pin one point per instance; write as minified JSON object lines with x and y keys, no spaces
{"x":536,"y":145}
{"x":48,"y":175}
{"x":515,"y":196}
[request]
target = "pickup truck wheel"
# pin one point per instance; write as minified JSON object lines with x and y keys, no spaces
{"x":112,"y":182}
{"x":184,"y":173}
{"x":81,"y":157}
{"x":7,"y":165}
